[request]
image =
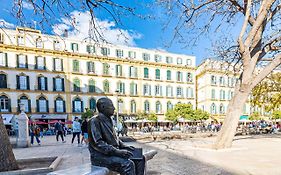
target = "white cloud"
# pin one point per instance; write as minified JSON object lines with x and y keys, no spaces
{"x":27,"y":5}
{"x":78,"y":28}
{"x":6,"y":24}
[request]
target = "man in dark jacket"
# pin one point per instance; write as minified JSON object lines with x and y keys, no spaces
{"x":105,"y":148}
{"x":59,"y":131}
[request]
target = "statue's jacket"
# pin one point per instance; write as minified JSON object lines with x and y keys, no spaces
{"x":102,"y":136}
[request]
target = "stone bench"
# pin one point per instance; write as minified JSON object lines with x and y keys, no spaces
{"x":88,"y":169}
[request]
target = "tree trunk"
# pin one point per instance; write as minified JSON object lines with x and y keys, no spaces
{"x":7,"y":158}
{"x":235,"y":109}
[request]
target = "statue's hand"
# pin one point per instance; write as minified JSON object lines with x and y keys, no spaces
{"x":124,"y":153}
{"x":130,"y":148}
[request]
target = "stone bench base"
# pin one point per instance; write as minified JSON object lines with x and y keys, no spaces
{"x":89,"y":169}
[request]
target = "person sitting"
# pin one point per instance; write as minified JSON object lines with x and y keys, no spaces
{"x":105,"y":148}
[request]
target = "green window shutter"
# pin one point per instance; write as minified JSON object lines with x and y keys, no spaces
{"x":26,"y":62}
{"x":6,"y":59}
{"x":28,"y":84}
{"x":88,"y":49}
{"x":18,"y":65}
{"x":44,"y":63}
{"x":54,"y":84}
{"x":39,"y":83}
{"x":72,"y":47}
{"x":132,"y":88}
{"x":61,"y":64}
{"x":36,"y":62}
{"x":46,"y":83}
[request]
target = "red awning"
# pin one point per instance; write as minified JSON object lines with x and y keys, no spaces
{"x":67,"y":122}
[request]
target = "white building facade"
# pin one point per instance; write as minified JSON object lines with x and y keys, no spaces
{"x":215,"y":88}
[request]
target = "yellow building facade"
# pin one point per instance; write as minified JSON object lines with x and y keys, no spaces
{"x":57,"y":78}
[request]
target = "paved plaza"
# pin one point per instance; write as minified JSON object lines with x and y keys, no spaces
{"x":249,"y":155}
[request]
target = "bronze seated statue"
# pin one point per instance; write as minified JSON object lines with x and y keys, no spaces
{"x":106,"y":149}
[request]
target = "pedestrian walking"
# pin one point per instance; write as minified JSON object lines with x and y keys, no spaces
{"x":76,"y":130}
{"x":59,"y":131}
{"x":34,"y":132}
{"x":84,"y":129}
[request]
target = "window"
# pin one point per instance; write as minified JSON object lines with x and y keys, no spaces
{"x":158,"y":107}
{"x":42,"y":105}
{"x":91,"y":67}
{"x":105,"y":51}
{"x":179,"y":61}
{"x":189,"y":92}
{"x":76,"y":85}
{"x":133,"y":72}
{"x":188,"y":62}
{"x":58,"y":84}
{"x":157,"y":58}
{"x":133,"y":107}
{"x":169,"y":76}
{"x":93,"y":104}
{"x":158,"y":90}
{"x":74,"y":47}
{"x":76,"y":66}
{"x":179,"y":92}
{"x":39,"y":42}
{"x":57,"y":45}
{"x":119,"y":53}
{"x":118,"y":70}
{"x":3,"y":81}
{"x":179,"y":76}
{"x":106,"y":86}
{"x":132,"y":54}
{"x":20,"y":40}
{"x":146,"y":73}
{"x":146,"y":107}
{"x":105,"y":69}
{"x":58,"y":64}
{"x":59,"y":105}
{"x":169,"y":106}
{"x":22,"y":61}
{"x":90,"y":49}
{"x":77,"y":105}
{"x":23,"y":82}
{"x":92,"y":87}
{"x":5,"y":104}
{"x":213,"y":109}
{"x":121,"y":87}
{"x":3,"y":59}
{"x":222,"y":109}
{"x":157,"y":74}
{"x":42,"y":83}
{"x":26,"y":102}
{"x":147,"y":90}
{"x":169,"y":91}
{"x":189,"y":77}
{"x":213,"y":94}
{"x":169,"y":60}
{"x":213,"y":80}
{"x":146,"y":56}
{"x":222,"y":81}
{"x":133,"y":89}
{"x":40,"y":63}
{"x":222,"y":94}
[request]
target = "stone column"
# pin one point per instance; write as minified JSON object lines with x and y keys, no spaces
{"x":23,"y":136}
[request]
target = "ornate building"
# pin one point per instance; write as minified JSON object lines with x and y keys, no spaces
{"x":57,"y":78}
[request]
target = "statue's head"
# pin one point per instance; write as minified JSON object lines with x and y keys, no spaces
{"x":105,"y":106}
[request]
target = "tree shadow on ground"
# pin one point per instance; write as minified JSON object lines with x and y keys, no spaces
{"x":168,"y":163}
{"x":258,"y":136}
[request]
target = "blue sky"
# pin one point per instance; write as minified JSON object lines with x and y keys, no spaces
{"x":145,"y":33}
